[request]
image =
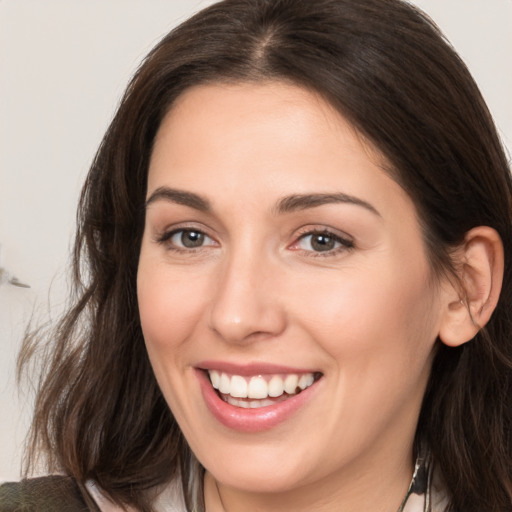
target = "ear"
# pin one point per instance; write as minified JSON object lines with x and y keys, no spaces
{"x":469,"y":305}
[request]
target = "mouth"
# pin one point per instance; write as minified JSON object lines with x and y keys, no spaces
{"x":256,"y":397}
{"x":260,"y":390}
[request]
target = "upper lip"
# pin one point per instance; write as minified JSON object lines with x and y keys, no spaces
{"x":248,"y":369}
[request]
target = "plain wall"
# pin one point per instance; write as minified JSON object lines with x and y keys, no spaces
{"x":63,"y":66}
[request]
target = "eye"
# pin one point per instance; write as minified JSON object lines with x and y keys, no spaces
{"x":322,"y":242}
{"x":186,"y":239}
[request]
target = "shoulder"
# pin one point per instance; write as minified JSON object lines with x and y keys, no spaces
{"x":45,"y":494}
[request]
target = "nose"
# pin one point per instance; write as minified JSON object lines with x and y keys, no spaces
{"x":247,"y":303}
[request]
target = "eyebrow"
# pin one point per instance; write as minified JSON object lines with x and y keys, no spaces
{"x":179,"y":197}
{"x":288,"y":204}
{"x":299,"y":202}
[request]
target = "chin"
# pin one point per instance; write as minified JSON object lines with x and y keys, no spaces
{"x":259,"y":469}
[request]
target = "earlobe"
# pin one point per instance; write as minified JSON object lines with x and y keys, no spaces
{"x":469,"y":305}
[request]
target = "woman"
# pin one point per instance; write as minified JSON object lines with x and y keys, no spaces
{"x":292,"y":277}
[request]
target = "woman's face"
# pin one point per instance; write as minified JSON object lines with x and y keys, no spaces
{"x":278,"y":255}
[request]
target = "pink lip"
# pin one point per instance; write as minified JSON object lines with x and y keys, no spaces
{"x":250,"y":369}
{"x":251,"y":420}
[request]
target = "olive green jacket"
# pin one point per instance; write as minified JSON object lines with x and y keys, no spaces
{"x":46,"y":494}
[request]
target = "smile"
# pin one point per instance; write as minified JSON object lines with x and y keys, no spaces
{"x":252,"y":392}
{"x":256,"y":397}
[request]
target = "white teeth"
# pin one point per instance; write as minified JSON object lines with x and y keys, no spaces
{"x":259,"y":388}
{"x":245,"y":404}
{"x":215,"y":378}
{"x":275,"y":386}
{"x":238,"y":387}
{"x":290,"y":383}
{"x":305,"y":381}
{"x":225,"y":384}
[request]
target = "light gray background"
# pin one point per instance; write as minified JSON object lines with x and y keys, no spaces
{"x":63,"y":66}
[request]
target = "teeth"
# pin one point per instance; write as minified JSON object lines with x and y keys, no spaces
{"x":215,"y":379}
{"x":306,"y":380}
{"x":253,"y":404}
{"x":225,"y":384}
{"x":238,"y":387}
{"x":290,"y":383}
{"x":275,"y":386}
{"x":259,"y":388}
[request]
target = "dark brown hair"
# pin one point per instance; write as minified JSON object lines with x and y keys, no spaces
{"x":386,"y":68}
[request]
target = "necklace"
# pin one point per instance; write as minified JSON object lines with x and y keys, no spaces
{"x":420,"y":484}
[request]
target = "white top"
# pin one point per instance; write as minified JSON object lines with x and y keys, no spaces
{"x":170,"y":500}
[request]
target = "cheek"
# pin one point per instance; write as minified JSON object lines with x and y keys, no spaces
{"x":371,"y":315}
{"x":170,"y":305}
{"x":378,"y":332}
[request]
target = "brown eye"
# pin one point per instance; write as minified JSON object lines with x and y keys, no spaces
{"x":187,"y":239}
{"x":318,"y":242}
{"x":191,"y":239}
{"x":322,"y":242}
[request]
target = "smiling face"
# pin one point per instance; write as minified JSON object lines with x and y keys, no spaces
{"x":277,"y":255}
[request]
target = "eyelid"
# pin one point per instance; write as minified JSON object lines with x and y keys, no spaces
{"x":164,"y":236}
{"x":322,"y":228}
{"x":347,"y":242}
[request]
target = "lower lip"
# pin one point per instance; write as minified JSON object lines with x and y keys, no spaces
{"x":251,"y":420}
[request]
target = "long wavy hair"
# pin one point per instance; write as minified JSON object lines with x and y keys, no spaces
{"x":388,"y":70}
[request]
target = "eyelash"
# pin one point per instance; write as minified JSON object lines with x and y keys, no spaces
{"x":345,"y":244}
{"x":166,"y":237}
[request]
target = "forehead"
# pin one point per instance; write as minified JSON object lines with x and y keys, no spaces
{"x":262,"y":124}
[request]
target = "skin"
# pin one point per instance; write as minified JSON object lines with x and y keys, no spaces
{"x":366,"y":315}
